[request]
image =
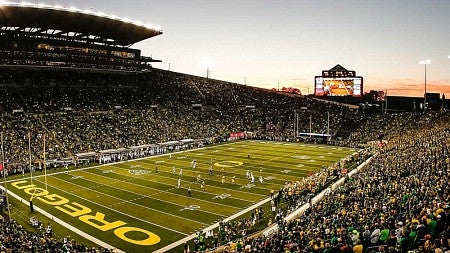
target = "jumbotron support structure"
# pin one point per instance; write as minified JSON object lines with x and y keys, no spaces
{"x":57,"y":37}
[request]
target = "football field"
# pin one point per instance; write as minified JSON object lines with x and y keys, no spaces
{"x":144,"y":205}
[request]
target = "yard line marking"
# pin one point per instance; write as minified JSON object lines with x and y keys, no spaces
{"x":231,"y":171}
{"x":167,"y":192}
{"x":149,"y":179}
{"x":142,"y":195}
{"x":268,"y":171}
{"x":124,"y":202}
{"x":200,"y":171}
{"x":209,"y":186}
{"x":127,"y":201}
{"x":240,"y":168}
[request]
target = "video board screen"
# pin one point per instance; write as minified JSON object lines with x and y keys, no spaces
{"x":340,"y":86}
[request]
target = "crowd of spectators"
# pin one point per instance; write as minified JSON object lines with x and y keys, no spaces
{"x":376,"y":126}
{"x":82,"y":112}
{"x":15,"y":238}
{"x":88,"y":112}
{"x":289,"y":198}
{"x":398,"y":203}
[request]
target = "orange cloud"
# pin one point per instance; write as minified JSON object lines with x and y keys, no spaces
{"x":410,"y":87}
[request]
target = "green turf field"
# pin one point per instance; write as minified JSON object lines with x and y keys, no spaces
{"x":134,"y":209}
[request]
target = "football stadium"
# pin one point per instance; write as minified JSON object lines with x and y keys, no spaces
{"x":103,"y":152}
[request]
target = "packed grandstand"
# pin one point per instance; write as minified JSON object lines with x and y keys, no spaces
{"x":54,"y":87}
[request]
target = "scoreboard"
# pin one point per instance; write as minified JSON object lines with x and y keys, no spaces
{"x":338,"y":81}
{"x":338,"y":86}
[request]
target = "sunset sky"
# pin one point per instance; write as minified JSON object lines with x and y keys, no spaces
{"x":281,"y":42}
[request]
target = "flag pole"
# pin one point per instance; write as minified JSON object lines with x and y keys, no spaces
{"x":4,"y":179}
{"x":45,"y":167}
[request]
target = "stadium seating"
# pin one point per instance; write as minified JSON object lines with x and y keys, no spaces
{"x":88,"y":111}
{"x":403,"y":191}
{"x":85,"y":111}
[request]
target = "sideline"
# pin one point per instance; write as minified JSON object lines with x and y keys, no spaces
{"x":125,"y":161}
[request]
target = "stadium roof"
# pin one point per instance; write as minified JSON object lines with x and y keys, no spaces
{"x":83,"y":24}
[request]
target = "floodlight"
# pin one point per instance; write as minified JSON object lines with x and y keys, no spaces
{"x":206,"y":62}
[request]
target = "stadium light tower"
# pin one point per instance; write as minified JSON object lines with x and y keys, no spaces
{"x":206,"y":63}
{"x":425,"y":63}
